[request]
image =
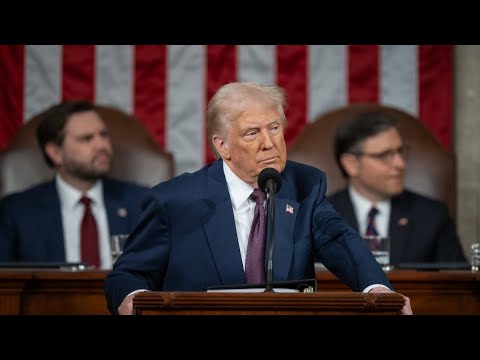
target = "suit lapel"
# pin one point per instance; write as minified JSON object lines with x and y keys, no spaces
{"x":285,"y":214}
{"x":51,"y":230}
{"x":399,"y":227}
{"x":117,"y":211}
{"x":219,"y":225}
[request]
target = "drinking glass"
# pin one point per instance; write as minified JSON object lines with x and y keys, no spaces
{"x":117,"y":242}
{"x":475,"y":256}
{"x":380,"y":247}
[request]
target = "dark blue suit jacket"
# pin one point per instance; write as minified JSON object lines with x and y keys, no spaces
{"x":186,"y":238}
{"x":420,"y":228}
{"x":31,"y":221}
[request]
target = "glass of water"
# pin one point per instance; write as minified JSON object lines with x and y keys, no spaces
{"x":475,"y":256}
{"x":117,"y":242}
{"x":380,"y":247}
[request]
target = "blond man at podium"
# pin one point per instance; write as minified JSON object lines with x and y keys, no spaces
{"x":194,"y":232}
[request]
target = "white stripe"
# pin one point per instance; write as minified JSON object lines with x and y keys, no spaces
{"x":186,"y":106}
{"x":399,"y":77}
{"x":43,"y":64}
{"x":327,"y":74}
{"x":257,"y":63}
{"x":114,"y":76}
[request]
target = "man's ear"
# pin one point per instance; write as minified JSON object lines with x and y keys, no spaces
{"x":54,"y":152}
{"x":350,"y":164}
{"x":222,"y":147}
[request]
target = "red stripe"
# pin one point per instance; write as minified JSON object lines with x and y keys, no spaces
{"x":292,"y":76}
{"x":12,"y":60}
{"x":435,"y":90}
{"x":149,"y":97}
{"x":363,"y":73}
{"x":221,"y":69}
{"x":78,"y":76}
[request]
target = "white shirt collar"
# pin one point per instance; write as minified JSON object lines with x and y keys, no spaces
{"x":239,"y":190}
{"x":70,"y":196}
{"x":362,"y":205}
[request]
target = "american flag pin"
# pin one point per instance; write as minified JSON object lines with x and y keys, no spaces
{"x":122,"y":212}
{"x":289,"y":209}
{"x":403,"y":221}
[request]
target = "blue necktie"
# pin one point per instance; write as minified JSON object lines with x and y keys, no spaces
{"x":371,"y":229}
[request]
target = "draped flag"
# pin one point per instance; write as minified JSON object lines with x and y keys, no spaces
{"x":168,"y":87}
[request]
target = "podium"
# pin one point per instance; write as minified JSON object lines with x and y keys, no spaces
{"x":266,"y":303}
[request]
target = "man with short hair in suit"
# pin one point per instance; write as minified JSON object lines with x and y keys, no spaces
{"x":43,"y":223}
{"x":194,"y":232}
{"x":372,"y":157}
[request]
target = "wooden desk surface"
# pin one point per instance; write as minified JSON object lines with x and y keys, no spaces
{"x":430,"y":292}
{"x":41,"y":291}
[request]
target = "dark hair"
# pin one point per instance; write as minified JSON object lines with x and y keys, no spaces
{"x":350,"y":136}
{"x":53,"y":120}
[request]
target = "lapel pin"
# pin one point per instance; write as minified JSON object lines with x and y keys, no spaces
{"x":122,"y":212}
{"x":403,"y":221}
{"x":289,"y":209}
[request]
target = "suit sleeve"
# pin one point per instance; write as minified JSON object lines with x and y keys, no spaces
{"x":7,"y":233}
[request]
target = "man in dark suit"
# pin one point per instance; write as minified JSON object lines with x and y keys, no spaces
{"x":371,"y":155}
{"x":194,"y":230}
{"x":44,"y":223}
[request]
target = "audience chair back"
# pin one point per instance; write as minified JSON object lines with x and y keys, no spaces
{"x":137,"y":157}
{"x":431,"y":168}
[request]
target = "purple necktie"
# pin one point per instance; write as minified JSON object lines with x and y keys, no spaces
{"x":371,"y":229}
{"x":255,"y":260}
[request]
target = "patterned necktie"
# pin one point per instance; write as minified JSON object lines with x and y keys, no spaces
{"x":255,"y":260}
{"x":371,"y":229}
{"x":89,"y":236}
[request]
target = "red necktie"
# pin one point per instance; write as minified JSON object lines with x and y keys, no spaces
{"x":89,"y":236}
{"x":255,"y":259}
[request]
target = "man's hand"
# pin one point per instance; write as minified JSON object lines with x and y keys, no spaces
{"x":126,"y":307}
{"x":406,"y":310}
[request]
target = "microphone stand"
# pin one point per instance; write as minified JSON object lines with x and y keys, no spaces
{"x":271,"y":231}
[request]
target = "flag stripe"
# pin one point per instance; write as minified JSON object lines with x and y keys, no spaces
{"x":256,"y":63}
{"x":436,"y":89}
{"x":42,"y":78}
{"x":114,"y":81}
{"x":398,"y":77}
{"x":11,"y":101}
{"x":186,"y":106}
{"x":221,"y":69}
{"x":363,"y":73}
{"x":327,"y":87}
{"x":149,"y":89}
{"x":78,"y":80}
{"x":292,"y":76}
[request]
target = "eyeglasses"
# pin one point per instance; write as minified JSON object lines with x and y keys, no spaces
{"x":388,"y":155}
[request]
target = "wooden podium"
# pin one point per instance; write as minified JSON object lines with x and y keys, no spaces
{"x":266,"y":303}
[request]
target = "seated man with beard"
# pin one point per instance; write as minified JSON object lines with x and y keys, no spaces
{"x":71,"y":217}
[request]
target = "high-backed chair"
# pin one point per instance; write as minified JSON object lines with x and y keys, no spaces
{"x":431,"y":169}
{"x":137,"y":157}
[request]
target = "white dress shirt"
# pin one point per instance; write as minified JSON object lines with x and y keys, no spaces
{"x":72,"y":213}
{"x":243,"y":208}
{"x":361,"y":207}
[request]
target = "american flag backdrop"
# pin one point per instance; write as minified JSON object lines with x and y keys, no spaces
{"x":168,"y":86}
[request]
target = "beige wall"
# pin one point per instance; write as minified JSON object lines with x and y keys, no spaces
{"x":467,"y":141}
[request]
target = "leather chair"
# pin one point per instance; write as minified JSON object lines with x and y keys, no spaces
{"x":137,"y":157}
{"x":431,"y":169}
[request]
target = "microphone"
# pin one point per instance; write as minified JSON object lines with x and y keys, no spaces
{"x":270,"y":182}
